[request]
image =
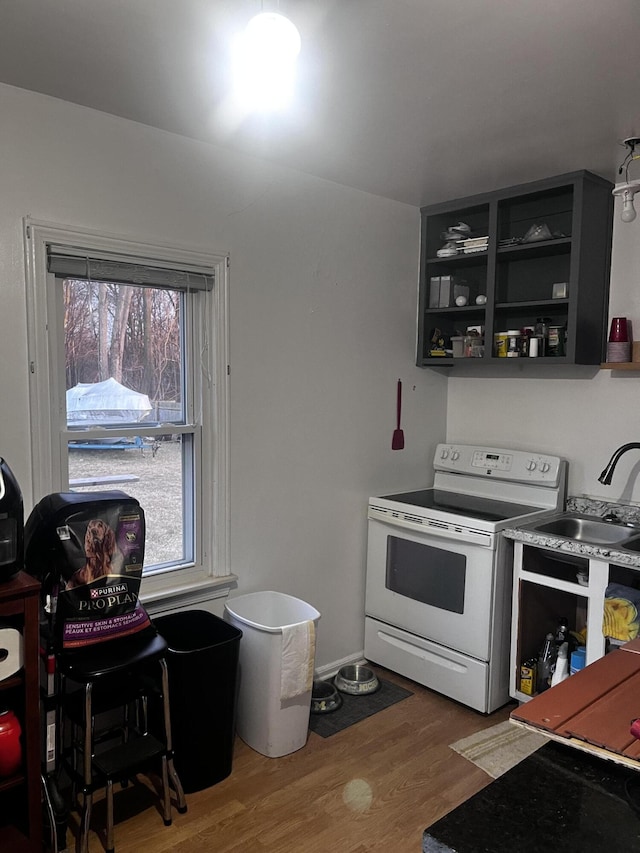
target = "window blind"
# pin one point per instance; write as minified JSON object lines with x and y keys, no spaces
{"x":64,"y":261}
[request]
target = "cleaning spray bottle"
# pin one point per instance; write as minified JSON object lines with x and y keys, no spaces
{"x":562,"y":665}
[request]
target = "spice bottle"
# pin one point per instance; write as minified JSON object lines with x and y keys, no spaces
{"x":513,"y":344}
{"x":525,"y":338}
{"x":542,"y":333}
{"x":556,"y":340}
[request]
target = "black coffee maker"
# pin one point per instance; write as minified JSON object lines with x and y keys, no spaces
{"x":11,"y":524}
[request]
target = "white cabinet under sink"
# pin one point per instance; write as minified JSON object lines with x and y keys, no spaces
{"x":545,"y":589}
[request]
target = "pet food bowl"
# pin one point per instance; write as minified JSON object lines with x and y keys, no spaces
{"x":324,"y":698}
{"x":356,"y":680}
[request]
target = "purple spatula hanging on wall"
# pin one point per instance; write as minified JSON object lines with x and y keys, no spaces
{"x":397,"y":442}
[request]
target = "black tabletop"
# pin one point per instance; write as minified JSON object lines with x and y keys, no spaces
{"x":559,"y":798}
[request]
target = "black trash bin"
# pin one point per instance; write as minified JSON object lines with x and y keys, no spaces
{"x":203,"y":669}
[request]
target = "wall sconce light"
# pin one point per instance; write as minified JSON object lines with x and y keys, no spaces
{"x":627,"y":189}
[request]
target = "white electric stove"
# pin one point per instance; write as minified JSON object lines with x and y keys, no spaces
{"x":439,"y":574}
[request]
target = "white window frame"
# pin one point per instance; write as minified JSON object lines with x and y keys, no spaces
{"x":209,"y":574}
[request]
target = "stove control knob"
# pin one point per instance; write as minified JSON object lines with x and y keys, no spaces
{"x":544,"y":467}
{"x":445,"y":453}
{"x":531,"y":465}
{"x":455,"y":455}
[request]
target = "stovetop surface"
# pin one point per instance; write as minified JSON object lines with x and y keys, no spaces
{"x":472,"y":506}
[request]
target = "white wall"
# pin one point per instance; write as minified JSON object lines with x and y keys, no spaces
{"x":584,"y":418}
{"x":322,"y":301}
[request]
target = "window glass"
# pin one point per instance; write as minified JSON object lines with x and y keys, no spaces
{"x":153,"y":474}
{"x":124,"y":368}
{"x":123,"y":353}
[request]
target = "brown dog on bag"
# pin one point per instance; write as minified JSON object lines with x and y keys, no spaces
{"x":102,"y":552}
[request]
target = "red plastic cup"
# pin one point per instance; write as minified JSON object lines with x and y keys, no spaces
{"x":619,"y":332}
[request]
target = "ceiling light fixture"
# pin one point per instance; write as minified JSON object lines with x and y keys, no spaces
{"x":274,"y":35}
{"x":627,"y":189}
{"x":265,"y":62}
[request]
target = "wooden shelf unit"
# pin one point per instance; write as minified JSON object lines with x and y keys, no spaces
{"x":20,"y":795}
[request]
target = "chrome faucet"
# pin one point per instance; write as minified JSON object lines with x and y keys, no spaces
{"x":607,"y":474}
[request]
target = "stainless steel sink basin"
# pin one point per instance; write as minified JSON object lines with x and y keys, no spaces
{"x":589,"y":530}
{"x":632,"y":544}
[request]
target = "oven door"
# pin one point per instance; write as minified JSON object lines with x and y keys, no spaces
{"x":435,"y":586}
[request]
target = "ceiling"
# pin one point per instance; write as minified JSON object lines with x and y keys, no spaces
{"x":416,"y":100}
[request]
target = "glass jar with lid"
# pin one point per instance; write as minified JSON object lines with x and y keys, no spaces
{"x":513,"y":343}
{"x":555,"y":341}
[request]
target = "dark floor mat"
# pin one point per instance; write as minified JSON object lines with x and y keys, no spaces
{"x":356,"y":708}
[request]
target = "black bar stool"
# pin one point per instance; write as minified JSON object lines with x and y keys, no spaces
{"x":114,"y":681}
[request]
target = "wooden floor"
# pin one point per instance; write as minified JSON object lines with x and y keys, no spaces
{"x":373,"y":787}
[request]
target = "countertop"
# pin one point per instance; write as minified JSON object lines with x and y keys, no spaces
{"x":557,"y":799}
{"x":585,"y":506}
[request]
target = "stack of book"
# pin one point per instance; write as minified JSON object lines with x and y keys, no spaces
{"x":473,"y":244}
{"x":445,"y":289}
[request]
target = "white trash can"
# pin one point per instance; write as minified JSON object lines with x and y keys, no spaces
{"x":277,"y":656}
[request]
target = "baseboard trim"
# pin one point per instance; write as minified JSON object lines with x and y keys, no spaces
{"x":322,"y":673}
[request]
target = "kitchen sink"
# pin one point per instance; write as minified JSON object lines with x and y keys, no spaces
{"x":590,"y":530}
{"x":632,"y":544}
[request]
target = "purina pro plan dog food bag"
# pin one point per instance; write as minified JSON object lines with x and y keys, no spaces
{"x":88,"y":551}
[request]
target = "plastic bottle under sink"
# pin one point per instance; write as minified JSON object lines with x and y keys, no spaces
{"x":562,"y":665}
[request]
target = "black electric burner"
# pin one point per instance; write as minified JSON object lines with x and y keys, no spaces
{"x":484,"y":509}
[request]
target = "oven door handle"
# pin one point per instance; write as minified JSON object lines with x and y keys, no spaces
{"x":433,"y":528}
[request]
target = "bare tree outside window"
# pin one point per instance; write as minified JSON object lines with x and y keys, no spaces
{"x":126,"y":332}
